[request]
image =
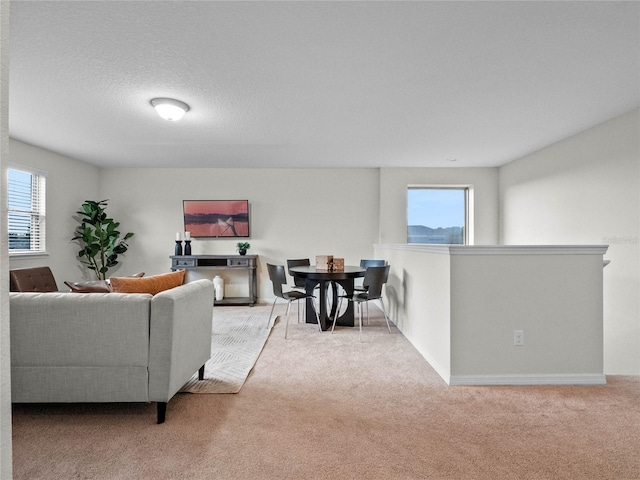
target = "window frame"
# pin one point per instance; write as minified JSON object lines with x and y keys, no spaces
{"x":37,"y":212}
{"x":468,"y":221}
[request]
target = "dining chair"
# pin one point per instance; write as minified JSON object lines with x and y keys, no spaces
{"x":298,"y":282}
{"x":364,"y":263}
{"x":374,"y":279}
{"x":278,"y":278}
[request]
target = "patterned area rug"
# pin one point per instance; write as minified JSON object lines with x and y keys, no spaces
{"x":236,"y":344}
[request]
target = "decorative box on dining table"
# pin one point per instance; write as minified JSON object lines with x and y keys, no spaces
{"x":324,"y":262}
{"x":338,"y":265}
{"x":329,"y":263}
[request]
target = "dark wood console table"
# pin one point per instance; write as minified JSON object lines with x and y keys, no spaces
{"x":224,"y":262}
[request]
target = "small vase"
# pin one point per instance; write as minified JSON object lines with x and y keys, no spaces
{"x":187,"y":247}
{"x":178,"y":247}
{"x":218,"y":285}
{"x":242,"y":252}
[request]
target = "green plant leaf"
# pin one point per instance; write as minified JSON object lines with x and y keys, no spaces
{"x":99,"y":238}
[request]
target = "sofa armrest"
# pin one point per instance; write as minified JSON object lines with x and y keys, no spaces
{"x":180,"y":336}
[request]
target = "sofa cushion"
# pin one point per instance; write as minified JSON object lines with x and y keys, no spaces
{"x":154,"y":284}
{"x":95,"y":286}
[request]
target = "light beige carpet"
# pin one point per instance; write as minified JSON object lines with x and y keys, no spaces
{"x":319,"y":406}
{"x":236,"y":343}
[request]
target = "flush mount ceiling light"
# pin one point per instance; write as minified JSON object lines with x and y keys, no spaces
{"x":170,"y":109}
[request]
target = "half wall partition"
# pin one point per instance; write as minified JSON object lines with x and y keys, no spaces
{"x":501,"y":315}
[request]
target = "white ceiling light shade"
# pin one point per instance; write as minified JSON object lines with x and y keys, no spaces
{"x":169,"y":108}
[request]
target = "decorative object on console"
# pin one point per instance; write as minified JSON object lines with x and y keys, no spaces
{"x":187,"y":243}
{"x":178,"y":249}
{"x":99,"y":238}
{"x":218,"y":285}
{"x":243,"y":247}
{"x":216,"y":218}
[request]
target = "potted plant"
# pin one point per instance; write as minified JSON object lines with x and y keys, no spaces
{"x":243,"y":247}
{"x":99,"y":238}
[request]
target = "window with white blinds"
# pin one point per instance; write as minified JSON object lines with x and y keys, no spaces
{"x":26,"y":211}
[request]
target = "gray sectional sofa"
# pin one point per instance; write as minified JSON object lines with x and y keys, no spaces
{"x":109,"y":347}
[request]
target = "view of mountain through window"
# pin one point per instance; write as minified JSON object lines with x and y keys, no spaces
{"x":436,"y":215}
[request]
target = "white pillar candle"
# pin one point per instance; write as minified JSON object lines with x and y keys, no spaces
{"x":178,"y":238}
{"x":187,"y":235}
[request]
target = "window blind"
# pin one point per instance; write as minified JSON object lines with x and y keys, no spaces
{"x":26,"y":196}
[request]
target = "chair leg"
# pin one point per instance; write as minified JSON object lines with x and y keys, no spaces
{"x":318,"y":319}
{"x":286,"y":327}
{"x":335,"y":316}
{"x":360,"y":317}
{"x":384,"y":312}
{"x":272,"y":307}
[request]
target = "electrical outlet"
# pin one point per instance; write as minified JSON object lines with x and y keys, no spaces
{"x":518,"y":337}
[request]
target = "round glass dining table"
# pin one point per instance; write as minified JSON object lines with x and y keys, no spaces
{"x":328,"y":282}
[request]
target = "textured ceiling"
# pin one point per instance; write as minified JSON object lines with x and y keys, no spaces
{"x":317,"y":84}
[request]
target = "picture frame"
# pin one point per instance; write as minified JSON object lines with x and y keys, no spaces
{"x":216,"y":218}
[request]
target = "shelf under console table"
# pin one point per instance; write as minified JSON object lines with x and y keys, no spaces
{"x":223,"y":262}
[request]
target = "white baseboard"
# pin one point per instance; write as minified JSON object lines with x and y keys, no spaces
{"x":541,"y":379}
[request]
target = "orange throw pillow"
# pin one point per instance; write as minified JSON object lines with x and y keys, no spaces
{"x":154,"y":284}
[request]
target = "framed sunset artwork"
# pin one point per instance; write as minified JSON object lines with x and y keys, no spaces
{"x":216,"y":218}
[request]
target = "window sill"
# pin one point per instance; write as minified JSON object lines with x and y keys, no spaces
{"x":27,"y":254}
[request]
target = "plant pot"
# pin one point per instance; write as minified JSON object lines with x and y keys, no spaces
{"x":242,"y":252}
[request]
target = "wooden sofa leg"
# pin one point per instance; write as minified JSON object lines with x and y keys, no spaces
{"x":201,"y":373}
{"x":162,"y":411}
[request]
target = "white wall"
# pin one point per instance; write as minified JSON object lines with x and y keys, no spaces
{"x":5,"y":356}
{"x":418,"y":300}
{"x":585,"y":190}
{"x":69,"y":183}
{"x":294,"y":213}
{"x":554,"y":298}
{"x":393,"y":199}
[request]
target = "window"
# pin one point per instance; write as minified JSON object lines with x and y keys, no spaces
{"x":437,"y":215}
{"x":26,"y":212}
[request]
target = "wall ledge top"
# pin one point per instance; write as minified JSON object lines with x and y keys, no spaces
{"x":498,"y":249}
